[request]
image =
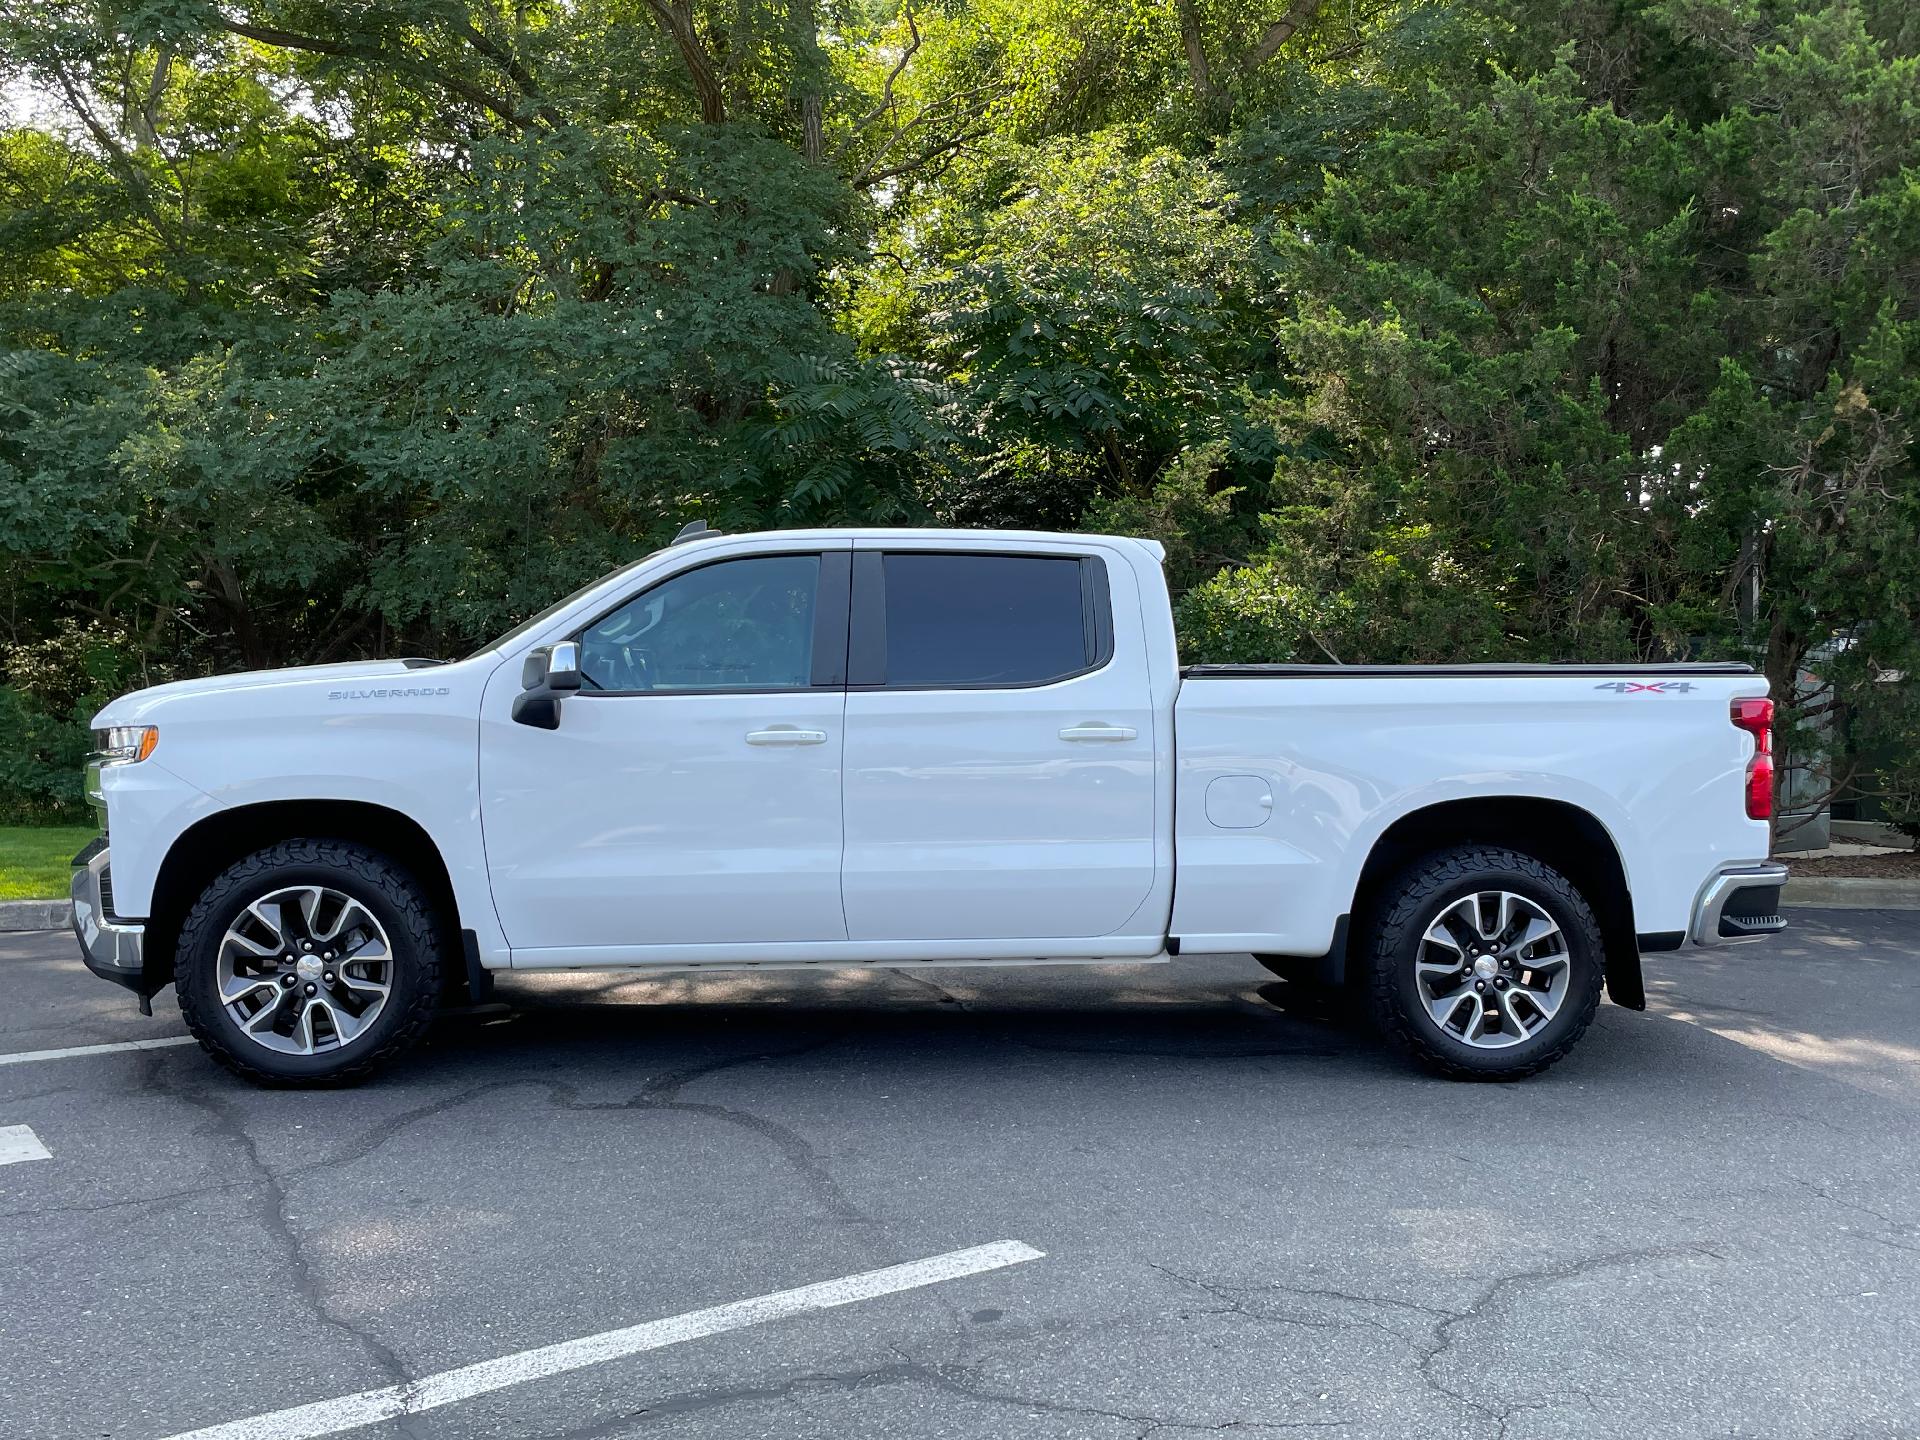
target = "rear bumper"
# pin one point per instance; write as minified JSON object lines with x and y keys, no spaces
{"x":1741,"y":902}
{"x":113,"y":948}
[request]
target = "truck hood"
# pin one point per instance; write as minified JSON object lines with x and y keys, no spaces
{"x":131,"y":707}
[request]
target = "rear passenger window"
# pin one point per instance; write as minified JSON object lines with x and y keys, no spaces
{"x":988,"y":620}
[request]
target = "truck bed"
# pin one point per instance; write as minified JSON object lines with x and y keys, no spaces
{"x":1297,"y":784}
{"x":1357,"y":672}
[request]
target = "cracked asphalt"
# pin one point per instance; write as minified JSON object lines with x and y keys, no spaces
{"x":1257,"y":1220}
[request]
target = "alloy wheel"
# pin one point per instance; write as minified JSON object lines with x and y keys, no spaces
{"x":1492,"y":969}
{"x":304,"y":969}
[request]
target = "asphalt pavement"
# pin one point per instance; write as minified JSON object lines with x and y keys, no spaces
{"x":1250,"y":1218}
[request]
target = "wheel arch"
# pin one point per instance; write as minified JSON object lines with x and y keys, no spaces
{"x":208,"y":846}
{"x":1556,"y":832}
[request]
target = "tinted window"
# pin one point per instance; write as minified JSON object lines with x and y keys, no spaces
{"x":985,"y":619}
{"x":739,"y":625}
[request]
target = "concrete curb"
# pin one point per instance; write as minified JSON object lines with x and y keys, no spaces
{"x":1838,"y":892}
{"x":35,"y":915}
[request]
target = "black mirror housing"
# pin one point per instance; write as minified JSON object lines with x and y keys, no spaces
{"x":538,"y":709}
{"x":546,"y":675}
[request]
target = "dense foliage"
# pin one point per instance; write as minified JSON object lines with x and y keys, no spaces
{"x":1417,"y":329}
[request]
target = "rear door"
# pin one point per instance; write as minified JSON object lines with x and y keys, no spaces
{"x":999,"y":754}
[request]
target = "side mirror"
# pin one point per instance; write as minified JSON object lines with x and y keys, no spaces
{"x":546,"y":676}
{"x":563,"y":667}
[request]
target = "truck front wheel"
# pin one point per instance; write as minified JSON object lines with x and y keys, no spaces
{"x":1485,"y":963}
{"x":310,"y":962}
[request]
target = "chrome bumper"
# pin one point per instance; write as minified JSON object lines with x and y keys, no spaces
{"x":1740,"y":903}
{"x":111,"y":948}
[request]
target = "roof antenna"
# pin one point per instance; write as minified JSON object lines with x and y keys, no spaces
{"x":693,"y":530}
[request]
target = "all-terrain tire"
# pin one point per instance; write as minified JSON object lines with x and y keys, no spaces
{"x":1415,"y":899}
{"x":386,"y":889}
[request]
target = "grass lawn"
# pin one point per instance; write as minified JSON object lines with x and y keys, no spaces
{"x":33,"y":859}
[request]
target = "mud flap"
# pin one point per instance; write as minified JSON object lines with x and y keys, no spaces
{"x":1625,"y":985}
{"x":479,"y":978}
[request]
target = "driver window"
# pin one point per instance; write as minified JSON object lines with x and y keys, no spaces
{"x":739,"y":625}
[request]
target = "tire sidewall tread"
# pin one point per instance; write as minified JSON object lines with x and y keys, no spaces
{"x":387,"y":888}
{"x":1413,"y":897}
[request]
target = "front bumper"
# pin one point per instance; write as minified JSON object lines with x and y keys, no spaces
{"x":113,"y":948}
{"x":1740,"y":903}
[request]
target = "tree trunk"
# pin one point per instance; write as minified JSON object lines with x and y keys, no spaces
{"x":808,"y":99}
{"x":1199,"y":74}
{"x":676,"y":18}
{"x":225,"y":589}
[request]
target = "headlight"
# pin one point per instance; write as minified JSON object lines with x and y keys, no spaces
{"x":125,"y":744}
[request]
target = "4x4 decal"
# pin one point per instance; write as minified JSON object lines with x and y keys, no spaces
{"x":1650,"y":687}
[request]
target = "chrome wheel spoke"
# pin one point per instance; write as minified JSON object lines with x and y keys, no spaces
{"x":1542,"y":975}
{"x":1476,"y":1029}
{"x":346,"y":1025}
{"x":303,"y":1028}
{"x":1502,"y":916}
{"x":233,"y":991}
{"x":345,"y":918}
{"x":263,"y":1019}
{"x":1446,"y":1007}
{"x":1545,"y":1001}
{"x":362,"y":986}
{"x":1459,"y":918}
{"x":310,"y":901}
{"x":372,"y":950}
{"x":1537,"y":930}
{"x":1512,"y":1019}
{"x":258,"y":932}
{"x":297,"y":906}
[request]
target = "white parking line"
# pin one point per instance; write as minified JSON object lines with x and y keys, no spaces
{"x":18,"y":1142}
{"x":25,"y":1057}
{"x":369,"y":1407}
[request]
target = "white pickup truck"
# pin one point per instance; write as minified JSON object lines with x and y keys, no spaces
{"x":905,"y":748}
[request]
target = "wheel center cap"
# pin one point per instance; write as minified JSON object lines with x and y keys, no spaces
{"x":308,"y":967}
{"x":1486,"y":967}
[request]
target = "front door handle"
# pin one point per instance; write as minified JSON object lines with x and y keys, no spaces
{"x":786,"y":735}
{"x":1099,"y":732}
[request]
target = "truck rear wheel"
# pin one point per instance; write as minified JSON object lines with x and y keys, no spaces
{"x":310,"y":962}
{"x":1485,"y":963}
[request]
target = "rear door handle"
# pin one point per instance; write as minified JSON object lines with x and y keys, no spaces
{"x":786,"y":735}
{"x":1099,"y":732}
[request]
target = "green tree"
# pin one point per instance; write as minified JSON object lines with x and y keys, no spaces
{"x":1423,"y":330}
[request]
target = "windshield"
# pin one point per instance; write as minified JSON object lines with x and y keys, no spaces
{"x":534,"y":622}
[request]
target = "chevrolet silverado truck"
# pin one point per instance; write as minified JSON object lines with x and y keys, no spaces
{"x":905,"y":748}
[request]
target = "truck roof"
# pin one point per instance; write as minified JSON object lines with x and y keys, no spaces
{"x":922,"y":534}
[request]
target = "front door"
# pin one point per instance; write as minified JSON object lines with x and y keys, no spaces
{"x":691,"y":794}
{"x":1000,"y":755}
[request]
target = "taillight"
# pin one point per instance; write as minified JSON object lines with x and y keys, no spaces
{"x":1756,"y":718}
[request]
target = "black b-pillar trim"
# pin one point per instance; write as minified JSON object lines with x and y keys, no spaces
{"x":867,"y":632}
{"x":830,"y":620}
